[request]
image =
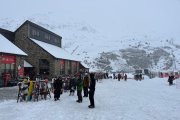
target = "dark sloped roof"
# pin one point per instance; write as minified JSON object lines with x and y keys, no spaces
{"x":37,"y":26}
{"x":8,"y":34}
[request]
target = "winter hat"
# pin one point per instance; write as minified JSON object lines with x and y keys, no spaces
{"x":92,"y":75}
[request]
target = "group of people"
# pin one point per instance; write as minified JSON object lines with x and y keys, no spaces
{"x":120,"y":76}
{"x":80,"y":82}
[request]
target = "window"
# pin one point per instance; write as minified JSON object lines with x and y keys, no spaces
{"x":47,"y":37}
{"x":2,"y":68}
{"x":35,"y":32}
{"x":44,"y":67}
{"x":55,"y":40}
{"x":67,"y":67}
{"x":7,"y":68}
{"x":7,"y":65}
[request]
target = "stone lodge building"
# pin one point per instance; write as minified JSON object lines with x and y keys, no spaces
{"x":43,"y":47}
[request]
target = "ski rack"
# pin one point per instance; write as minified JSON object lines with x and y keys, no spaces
{"x":35,"y":91}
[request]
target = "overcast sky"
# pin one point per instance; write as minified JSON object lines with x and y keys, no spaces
{"x":114,"y":17}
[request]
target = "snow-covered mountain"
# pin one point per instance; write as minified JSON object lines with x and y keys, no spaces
{"x":107,"y":34}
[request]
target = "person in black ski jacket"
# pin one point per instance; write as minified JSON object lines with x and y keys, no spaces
{"x":92,"y":90}
{"x":57,"y":88}
{"x":125,"y":77}
{"x":170,"y":79}
{"x":72,"y":85}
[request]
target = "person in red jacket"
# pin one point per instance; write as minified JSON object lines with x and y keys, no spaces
{"x":86,"y":85}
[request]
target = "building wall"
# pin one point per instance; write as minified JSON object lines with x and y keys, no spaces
{"x":33,"y":50}
{"x":57,"y":68}
{"x":22,"y":40}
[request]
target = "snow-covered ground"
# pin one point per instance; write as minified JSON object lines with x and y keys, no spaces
{"x":150,"y":99}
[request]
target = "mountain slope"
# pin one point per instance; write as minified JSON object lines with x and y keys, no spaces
{"x":93,"y":27}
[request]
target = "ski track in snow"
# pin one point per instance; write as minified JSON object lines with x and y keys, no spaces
{"x":149,"y":99}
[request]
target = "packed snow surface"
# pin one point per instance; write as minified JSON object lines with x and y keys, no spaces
{"x":149,"y":99}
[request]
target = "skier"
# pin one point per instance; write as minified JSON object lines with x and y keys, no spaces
{"x":170,"y":79}
{"x":125,"y":77}
{"x":119,"y":76}
{"x":57,"y":88}
{"x":79,"y":85}
{"x":92,"y":90}
{"x":114,"y":76}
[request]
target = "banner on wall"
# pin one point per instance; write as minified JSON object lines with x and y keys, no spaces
{"x":7,"y":59}
{"x":62,"y":62}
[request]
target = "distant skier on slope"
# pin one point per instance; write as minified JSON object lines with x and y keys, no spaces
{"x":170,"y":79}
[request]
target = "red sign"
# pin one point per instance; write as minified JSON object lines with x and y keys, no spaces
{"x":7,"y":59}
{"x":21,"y":72}
{"x":62,"y":62}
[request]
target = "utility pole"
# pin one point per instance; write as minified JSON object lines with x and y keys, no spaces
{"x":75,"y":49}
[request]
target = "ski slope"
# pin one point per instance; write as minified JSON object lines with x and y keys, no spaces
{"x":150,"y":99}
{"x":91,"y":27}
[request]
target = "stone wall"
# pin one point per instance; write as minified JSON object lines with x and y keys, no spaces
{"x":57,"y":68}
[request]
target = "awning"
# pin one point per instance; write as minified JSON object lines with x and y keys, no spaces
{"x":26,"y":64}
{"x":84,"y":65}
